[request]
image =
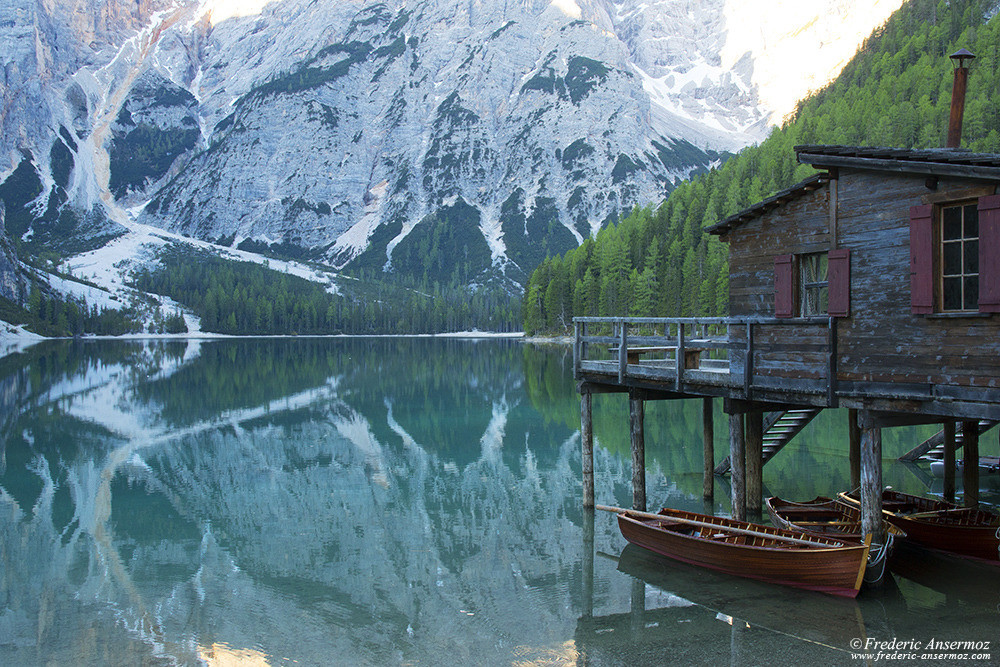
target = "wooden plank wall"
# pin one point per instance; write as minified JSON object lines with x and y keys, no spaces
{"x":800,"y":226}
{"x":881,"y":341}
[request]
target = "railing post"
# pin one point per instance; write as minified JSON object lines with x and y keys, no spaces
{"x":680,"y":355}
{"x":576,"y":349}
{"x":622,"y":351}
{"x":748,"y":364}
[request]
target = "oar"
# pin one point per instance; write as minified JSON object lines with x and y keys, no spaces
{"x":705,"y":524}
{"x":934,"y":513}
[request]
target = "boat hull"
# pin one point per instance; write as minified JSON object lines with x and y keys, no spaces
{"x":836,"y":568}
{"x":959,"y":530}
{"x":831,"y":518}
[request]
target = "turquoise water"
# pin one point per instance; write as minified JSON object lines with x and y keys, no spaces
{"x":395,"y":502}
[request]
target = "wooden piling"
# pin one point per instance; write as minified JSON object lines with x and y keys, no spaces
{"x":588,"y":563}
{"x":871,"y":479}
{"x":854,"y":447}
{"x":949,"y":461}
{"x":970,"y":465}
{"x":737,"y":463}
{"x":587,"y":438}
{"x":636,"y":414}
{"x":708,"y":439}
{"x":754,"y":442}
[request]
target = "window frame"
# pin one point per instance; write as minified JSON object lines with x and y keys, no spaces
{"x":939,"y":260}
{"x":790,"y":284}
{"x":822,"y":287}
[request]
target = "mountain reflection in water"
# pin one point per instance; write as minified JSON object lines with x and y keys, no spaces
{"x":362,"y":501}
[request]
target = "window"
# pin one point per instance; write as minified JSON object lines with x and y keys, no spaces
{"x":813,"y":284}
{"x":955,"y":257}
{"x":959,"y":258}
{"x":813,"y":292}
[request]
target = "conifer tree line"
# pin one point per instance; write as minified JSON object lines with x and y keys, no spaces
{"x":658,"y":262}
{"x":245,"y":298}
{"x":50,"y":314}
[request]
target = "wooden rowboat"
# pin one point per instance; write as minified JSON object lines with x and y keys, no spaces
{"x":937,"y":524}
{"x":821,"y":516}
{"x":830,"y":518}
{"x":775,"y":555}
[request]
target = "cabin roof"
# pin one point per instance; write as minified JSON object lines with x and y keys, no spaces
{"x":930,"y":162}
{"x":812,"y":183}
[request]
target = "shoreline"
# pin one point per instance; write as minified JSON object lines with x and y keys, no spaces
{"x":16,"y":339}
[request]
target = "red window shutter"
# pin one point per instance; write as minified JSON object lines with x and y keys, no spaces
{"x":784,"y":298}
{"x":989,"y":254}
{"x":921,"y":260}
{"x":838,"y":278}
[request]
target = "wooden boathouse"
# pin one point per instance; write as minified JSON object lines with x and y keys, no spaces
{"x":873,"y":285}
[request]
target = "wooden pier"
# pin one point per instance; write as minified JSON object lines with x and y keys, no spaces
{"x":872,"y":286}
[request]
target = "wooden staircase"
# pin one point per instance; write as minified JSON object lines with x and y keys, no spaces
{"x":933,"y":446}
{"x":779,"y":429}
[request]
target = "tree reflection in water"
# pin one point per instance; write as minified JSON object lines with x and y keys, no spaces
{"x":354,"y":501}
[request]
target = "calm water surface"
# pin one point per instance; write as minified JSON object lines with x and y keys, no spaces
{"x":395,"y":502}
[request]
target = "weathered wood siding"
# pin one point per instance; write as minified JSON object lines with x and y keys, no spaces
{"x":800,"y":226}
{"x":881,"y":340}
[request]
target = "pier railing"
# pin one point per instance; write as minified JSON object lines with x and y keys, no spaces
{"x":742,"y":355}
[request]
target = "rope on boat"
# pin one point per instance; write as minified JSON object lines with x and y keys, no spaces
{"x":877,"y":559}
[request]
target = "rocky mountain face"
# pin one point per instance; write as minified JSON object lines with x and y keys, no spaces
{"x":12,"y":283}
{"x":441,"y":140}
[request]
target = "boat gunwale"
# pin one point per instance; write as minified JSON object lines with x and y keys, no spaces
{"x":821,"y":542}
{"x":837,"y":506}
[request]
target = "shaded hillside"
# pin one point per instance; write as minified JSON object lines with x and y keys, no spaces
{"x":895,"y":92}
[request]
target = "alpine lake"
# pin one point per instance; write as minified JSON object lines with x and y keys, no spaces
{"x":404,"y":501}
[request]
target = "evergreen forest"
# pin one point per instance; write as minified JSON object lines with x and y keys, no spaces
{"x":658,"y":262}
{"x":245,"y":298}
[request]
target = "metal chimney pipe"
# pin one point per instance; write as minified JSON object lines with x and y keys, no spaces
{"x":958,"y":97}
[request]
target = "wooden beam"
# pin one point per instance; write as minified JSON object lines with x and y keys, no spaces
{"x":985,"y":173}
{"x":754,"y":442}
{"x":949,"y":461}
{"x":708,"y":440}
{"x":587,"y":438}
{"x":871,"y":479}
{"x":598,"y":388}
{"x":854,"y":447}
{"x":832,"y":184}
{"x":636,"y":414}
{"x":970,"y":464}
{"x":737,"y":460}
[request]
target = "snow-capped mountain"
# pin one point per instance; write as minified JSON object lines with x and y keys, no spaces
{"x":443,"y":139}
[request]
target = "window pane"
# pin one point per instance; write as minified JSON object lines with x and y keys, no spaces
{"x":972,"y":293}
{"x":951,"y":257}
{"x":971,"y":253}
{"x":952,"y":294}
{"x":951,"y":227}
{"x":815,"y":301}
{"x":971,"y":222}
{"x":813,"y":268}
